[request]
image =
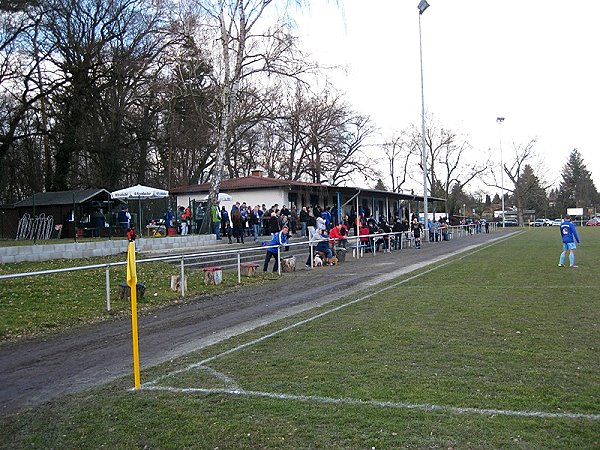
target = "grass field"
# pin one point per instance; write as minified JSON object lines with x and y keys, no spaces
{"x":53,"y":303}
{"x":497,"y":348}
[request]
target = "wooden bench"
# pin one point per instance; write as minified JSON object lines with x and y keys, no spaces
{"x":248,"y":269}
{"x":213,"y":275}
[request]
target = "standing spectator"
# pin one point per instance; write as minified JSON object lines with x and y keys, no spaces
{"x":279,"y":239}
{"x":273,"y":224}
{"x":311,"y":222}
{"x":326,"y":215}
{"x":260,"y":212}
{"x":99,"y":221}
{"x":254,"y":221}
{"x":168,"y":219}
{"x":293,"y":220}
{"x":238,"y":227}
{"x":215,"y":218}
{"x":181,"y":221}
{"x":303,"y":220}
{"x":244,"y":212}
{"x":224,"y":221}
{"x":124,"y":218}
{"x":569,"y":235}
{"x":185,"y":220}
{"x":444,"y":229}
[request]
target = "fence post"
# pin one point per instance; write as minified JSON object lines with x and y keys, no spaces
{"x":239,"y":267}
{"x":182,"y":275}
{"x":279,"y":259}
{"x":107,"y":277}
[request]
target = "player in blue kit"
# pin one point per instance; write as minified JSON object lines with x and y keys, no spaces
{"x":569,"y":235}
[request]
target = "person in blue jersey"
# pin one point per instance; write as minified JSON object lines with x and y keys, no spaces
{"x":279,"y":238}
{"x":569,"y":235}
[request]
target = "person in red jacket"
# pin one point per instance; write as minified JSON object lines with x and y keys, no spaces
{"x":131,"y":234}
{"x":338,"y":234}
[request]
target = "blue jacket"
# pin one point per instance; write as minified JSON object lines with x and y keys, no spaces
{"x":279,"y":238}
{"x":568,"y":232}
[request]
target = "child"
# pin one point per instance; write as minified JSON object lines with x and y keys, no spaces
{"x":131,"y":234}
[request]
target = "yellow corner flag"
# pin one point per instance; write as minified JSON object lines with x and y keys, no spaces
{"x":132,"y":283}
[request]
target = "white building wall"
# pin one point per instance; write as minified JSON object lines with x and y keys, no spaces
{"x":252,"y":197}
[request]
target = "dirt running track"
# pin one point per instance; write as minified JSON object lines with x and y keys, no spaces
{"x":39,"y":370}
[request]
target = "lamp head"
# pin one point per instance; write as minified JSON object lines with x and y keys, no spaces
{"x":499,"y":119}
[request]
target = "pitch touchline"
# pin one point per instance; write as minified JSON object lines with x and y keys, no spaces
{"x":380,"y":404}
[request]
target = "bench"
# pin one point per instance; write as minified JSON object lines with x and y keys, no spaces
{"x":213,"y":275}
{"x":407,"y":241}
{"x":358,"y":249}
{"x":248,"y":269}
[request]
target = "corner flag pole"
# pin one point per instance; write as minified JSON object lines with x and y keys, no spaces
{"x":132,"y":282}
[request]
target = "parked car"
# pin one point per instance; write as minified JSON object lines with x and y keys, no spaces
{"x":556,"y":222}
{"x":538,"y":223}
{"x":510,"y":222}
{"x":593,"y":222}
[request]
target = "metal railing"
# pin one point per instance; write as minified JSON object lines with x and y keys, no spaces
{"x":236,"y":254}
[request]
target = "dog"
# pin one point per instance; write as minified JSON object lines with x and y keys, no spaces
{"x":318,"y":262}
{"x":288,"y":264}
{"x":332,"y":261}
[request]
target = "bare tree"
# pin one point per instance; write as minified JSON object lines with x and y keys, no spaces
{"x":519,"y":171}
{"x":451,"y":161}
{"x":398,"y":151}
{"x":247,"y":49}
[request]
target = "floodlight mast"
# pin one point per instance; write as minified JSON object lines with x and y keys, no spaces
{"x":500,"y":120}
{"x":423,"y":5}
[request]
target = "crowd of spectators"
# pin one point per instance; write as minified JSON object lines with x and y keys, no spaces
{"x":245,"y":221}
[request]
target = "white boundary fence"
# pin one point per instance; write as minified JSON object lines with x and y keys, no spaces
{"x":459,"y":231}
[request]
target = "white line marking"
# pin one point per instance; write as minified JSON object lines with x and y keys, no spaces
{"x":380,"y":404}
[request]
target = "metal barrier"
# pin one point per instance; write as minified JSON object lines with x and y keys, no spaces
{"x":35,"y":228}
{"x":460,"y":232}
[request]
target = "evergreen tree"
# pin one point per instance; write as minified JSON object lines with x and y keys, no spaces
{"x":534,"y":196}
{"x":380,"y":186}
{"x":576,"y":190}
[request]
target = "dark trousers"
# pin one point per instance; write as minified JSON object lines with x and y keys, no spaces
{"x":268,"y":257}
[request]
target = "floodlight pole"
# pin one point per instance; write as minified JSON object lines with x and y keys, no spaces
{"x":423,"y":5}
{"x":499,"y":120}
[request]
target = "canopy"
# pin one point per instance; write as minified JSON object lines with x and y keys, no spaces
{"x":139,"y":193}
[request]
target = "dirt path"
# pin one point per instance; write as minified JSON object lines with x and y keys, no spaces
{"x":36,"y":371}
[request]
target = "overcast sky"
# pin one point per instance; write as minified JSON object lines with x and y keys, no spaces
{"x":534,"y":62}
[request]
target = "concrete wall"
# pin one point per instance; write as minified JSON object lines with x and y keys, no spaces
{"x":74,"y":250}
